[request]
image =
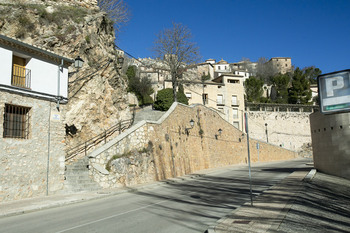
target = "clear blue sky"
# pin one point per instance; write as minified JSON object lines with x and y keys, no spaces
{"x":310,"y":32}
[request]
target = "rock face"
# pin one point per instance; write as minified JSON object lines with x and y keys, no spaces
{"x":71,"y":28}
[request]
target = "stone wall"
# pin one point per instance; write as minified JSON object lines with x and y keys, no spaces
{"x":290,"y":130}
{"x":135,"y":138}
{"x":175,"y":149}
{"x":23,"y":162}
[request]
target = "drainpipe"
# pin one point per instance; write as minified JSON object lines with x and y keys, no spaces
{"x":60,"y":69}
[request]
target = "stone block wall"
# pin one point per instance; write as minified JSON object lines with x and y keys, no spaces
{"x":23,"y":162}
{"x":176,"y":149}
{"x":135,"y":138}
{"x":178,"y":153}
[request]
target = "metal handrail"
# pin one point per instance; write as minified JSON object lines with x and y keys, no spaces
{"x":102,"y":137}
{"x":281,"y":107}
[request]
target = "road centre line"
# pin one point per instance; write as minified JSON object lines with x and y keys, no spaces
{"x":113,"y":216}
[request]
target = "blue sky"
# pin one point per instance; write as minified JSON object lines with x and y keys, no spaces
{"x":310,"y":32}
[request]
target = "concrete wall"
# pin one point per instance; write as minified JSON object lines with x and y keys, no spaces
{"x":290,"y":130}
{"x":23,"y":162}
{"x":331,"y":143}
{"x":177,"y":149}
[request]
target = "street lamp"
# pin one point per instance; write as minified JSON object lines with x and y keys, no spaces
{"x":192,"y":124}
{"x":267,"y":135}
{"x":78,"y":62}
{"x":219,"y":131}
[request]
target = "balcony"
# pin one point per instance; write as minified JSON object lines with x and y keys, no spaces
{"x":21,"y":77}
{"x":220,"y":102}
{"x":235,"y":103}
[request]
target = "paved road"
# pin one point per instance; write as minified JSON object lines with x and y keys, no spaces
{"x":188,"y":205}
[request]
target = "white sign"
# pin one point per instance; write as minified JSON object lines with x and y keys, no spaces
{"x":334,"y":92}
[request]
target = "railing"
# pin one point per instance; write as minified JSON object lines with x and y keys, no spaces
{"x":263,"y":107}
{"x":83,"y":148}
{"x":21,"y":76}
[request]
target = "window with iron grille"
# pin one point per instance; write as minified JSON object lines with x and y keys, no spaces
{"x":16,"y":121}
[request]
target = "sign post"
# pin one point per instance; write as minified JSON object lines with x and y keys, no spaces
{"x":250,"y":173}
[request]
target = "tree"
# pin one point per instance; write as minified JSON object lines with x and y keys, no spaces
{"x":280,"y":85}
{"x":253,"y":89}
{"x":117,"y":11}
{"x":265,"y":70}
{"x":300,"y":92}
{"x":165,"y":99}
{"x":311,"y":73}
{"x":175,"y":48}
{"x":142,"y":87}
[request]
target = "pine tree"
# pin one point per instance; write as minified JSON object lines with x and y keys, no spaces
{"x":300,"y":92}
{"x":253,"y":89}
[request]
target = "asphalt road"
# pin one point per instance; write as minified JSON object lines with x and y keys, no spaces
{"x":184,"y":205}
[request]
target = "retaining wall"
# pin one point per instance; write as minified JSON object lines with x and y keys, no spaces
{"x":175,"y":149}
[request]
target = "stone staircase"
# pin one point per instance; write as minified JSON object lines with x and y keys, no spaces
{"x":77,"y":177}
{"x":147,"y":113}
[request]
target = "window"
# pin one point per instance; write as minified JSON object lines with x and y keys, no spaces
{"x":205,"y":98}
{"x":16,"y":121}
{"x":20,"y":75}
{"x":188,"y":95}
{"x":220,"y":99}
{"x":221,"y":109}
{"x":233,"y":81}
{"x":234,"y":100}
{"x":218,"y":67}
{"x":236,"y":124}
{"x":235,"y":113}
{"x":286,"y":65}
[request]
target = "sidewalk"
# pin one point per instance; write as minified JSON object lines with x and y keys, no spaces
{"x":321,"y":204}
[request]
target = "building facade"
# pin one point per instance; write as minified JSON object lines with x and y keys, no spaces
{"x":224,"y":93}
{"x":33,"y":93}
{"x":281,"y":64}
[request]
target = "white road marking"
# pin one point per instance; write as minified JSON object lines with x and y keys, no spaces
{"x":112,"y":216}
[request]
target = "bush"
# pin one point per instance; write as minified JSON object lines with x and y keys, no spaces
{"x":165,"y":99}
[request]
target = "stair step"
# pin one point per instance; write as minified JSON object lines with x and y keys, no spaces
{"x":78,"y":179}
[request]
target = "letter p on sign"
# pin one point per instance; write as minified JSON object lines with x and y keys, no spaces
{"x":334,"y":92}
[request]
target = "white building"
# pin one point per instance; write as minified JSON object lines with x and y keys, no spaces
{"x":33,"y":83}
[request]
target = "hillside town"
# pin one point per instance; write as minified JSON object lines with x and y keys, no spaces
{"x":81,"y":116}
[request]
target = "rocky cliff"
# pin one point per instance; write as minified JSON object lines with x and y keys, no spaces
{"x":71,"y":28}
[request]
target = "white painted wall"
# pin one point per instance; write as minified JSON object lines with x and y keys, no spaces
{"x":5,"y":66}
{"x":44,"y":75}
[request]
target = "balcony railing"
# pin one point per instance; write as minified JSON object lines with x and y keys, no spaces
{"x":235,"y":103}
{"x":21,"y":76}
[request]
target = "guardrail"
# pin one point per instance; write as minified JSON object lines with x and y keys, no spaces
{"x":93,"y":142}
{"x":264,"y":107}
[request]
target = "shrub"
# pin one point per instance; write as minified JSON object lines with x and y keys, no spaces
{"x":165,"y":99}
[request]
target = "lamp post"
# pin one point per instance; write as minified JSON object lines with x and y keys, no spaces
{"x":191,"y":124}
{"x":78,"y":63}
{"x":267,"y":135}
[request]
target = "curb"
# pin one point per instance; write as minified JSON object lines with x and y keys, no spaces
{"x":310,"y":175}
